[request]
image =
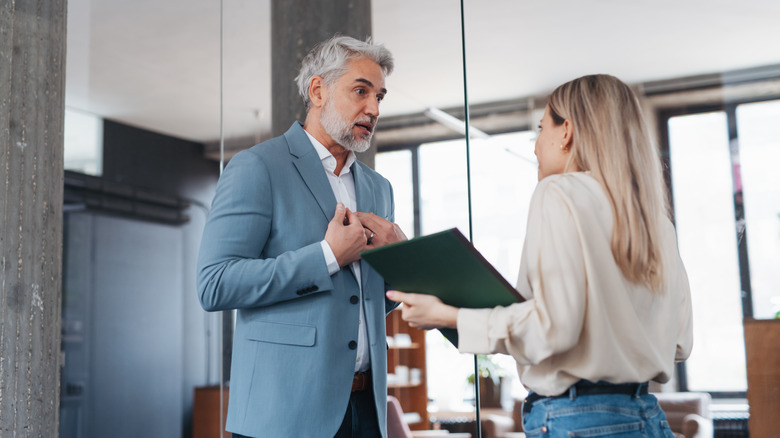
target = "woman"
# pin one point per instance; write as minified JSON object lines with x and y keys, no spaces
{"x":608,"y":304}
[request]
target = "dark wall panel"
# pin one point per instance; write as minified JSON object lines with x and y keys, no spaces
{"x":166,"y":164}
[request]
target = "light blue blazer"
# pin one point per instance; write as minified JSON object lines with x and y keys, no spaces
{"x":292,"y":367}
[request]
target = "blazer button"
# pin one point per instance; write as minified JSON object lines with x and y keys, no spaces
{"x":353,"y":299}
{"x":352,"y":345}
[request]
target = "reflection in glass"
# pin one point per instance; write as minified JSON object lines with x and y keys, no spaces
{"x":704,"y":213}
{"x":759,"y":152}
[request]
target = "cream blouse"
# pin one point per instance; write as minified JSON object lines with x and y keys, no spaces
{"x":583,"y":319}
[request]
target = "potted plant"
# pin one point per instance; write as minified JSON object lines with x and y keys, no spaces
{"x":490,"y":375}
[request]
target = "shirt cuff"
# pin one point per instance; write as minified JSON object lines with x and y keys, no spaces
{"x":473,"y":327}
{"x":330,"y":258}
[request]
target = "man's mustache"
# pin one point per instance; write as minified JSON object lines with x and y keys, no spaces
{"x":368,"y":122}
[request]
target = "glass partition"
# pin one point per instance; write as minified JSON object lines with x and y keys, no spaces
{"x":142,"y":101}
{"x":503,"y":175}
{"x":248,"y":110}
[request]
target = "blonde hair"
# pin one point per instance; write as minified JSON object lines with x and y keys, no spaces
{"x":611,"y":141}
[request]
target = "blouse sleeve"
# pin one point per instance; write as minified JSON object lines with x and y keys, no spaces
{"x":685,"y":332}
{"x":551,"y":321}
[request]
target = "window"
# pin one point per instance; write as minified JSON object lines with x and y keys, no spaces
{"x":83,"y":142}
{"x":726,"y":195}
{"x":703,"y":196}
{"x":503,"y":178}
{"x":759,"y":150}
{"x":396,"y":166}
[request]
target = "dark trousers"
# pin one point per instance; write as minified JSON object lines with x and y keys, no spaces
{"x":360,"y":420}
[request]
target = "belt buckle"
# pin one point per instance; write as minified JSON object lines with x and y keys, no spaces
{"x":360,"y":381}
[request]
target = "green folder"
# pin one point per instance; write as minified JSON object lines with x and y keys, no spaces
{"x":444,"y":264}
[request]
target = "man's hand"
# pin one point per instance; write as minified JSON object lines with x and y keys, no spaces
{"x":346,"y":236}
{"x":425,"y":311}
{"x":384,"y":231}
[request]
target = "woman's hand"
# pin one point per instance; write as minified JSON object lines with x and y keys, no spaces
{"x":425,"y":311}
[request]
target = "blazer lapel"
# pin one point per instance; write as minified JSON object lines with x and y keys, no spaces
{"x":364,"y":194}
{"x":309,"y":166}
{"x":364,"y":189}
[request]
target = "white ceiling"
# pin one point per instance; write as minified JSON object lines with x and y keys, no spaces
{"x":156,"y":64}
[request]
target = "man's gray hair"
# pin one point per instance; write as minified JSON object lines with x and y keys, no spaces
{"x":329,"y":60}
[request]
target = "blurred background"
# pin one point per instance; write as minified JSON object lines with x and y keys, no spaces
{"x":160,"y":94}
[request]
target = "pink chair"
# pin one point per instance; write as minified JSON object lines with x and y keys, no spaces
{"x":397,"y":427}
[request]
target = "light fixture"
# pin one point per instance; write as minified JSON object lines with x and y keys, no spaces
{"x":454,"y":123}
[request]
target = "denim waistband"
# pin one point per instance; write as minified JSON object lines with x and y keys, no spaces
{"x":586,"y":387}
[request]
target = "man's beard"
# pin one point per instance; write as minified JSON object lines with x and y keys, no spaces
{"x":341,"y":131}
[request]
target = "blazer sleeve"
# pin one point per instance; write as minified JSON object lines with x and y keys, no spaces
{"x":232,"y":271}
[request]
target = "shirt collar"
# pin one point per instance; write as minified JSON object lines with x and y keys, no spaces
{"x":328,"y":160}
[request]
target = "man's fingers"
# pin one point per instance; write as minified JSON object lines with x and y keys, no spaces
{"x":340,"y":213}
{"x":352,"y":218}
{"x":369,"y":219}
{"x":376,"y":223}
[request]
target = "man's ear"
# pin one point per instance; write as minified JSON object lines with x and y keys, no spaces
{"x":568,"y":134}
{"x":318,"y":92}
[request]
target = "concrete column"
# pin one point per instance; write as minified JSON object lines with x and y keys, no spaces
{"x":32,"y":83}
{"x":296,"y":27}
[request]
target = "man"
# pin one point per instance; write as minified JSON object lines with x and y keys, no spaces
{"x":282,"y":242}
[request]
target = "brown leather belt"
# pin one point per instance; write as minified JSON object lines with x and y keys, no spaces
{"x":361,"y":381}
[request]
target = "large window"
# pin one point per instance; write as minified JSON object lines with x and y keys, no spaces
{"x":726,"y":196}
{"x":704,"y":213}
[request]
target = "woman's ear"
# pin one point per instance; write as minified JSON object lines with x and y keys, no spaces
{"x":568,"y":134}
{"x":317,"y":91}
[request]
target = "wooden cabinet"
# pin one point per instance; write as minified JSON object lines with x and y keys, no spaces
{"x":205,"y":413}
{"x":762,"y":344}
{"x":411,"y":392}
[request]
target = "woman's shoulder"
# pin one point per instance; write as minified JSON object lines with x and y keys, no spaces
{"x":569,"y":185}
{"x":577,"y":193}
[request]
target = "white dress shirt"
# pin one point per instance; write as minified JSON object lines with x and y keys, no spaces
{"x":343,"y":186}
{"x":583,"y":319}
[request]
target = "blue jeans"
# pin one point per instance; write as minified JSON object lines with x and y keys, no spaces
{"x":610,"y":415}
